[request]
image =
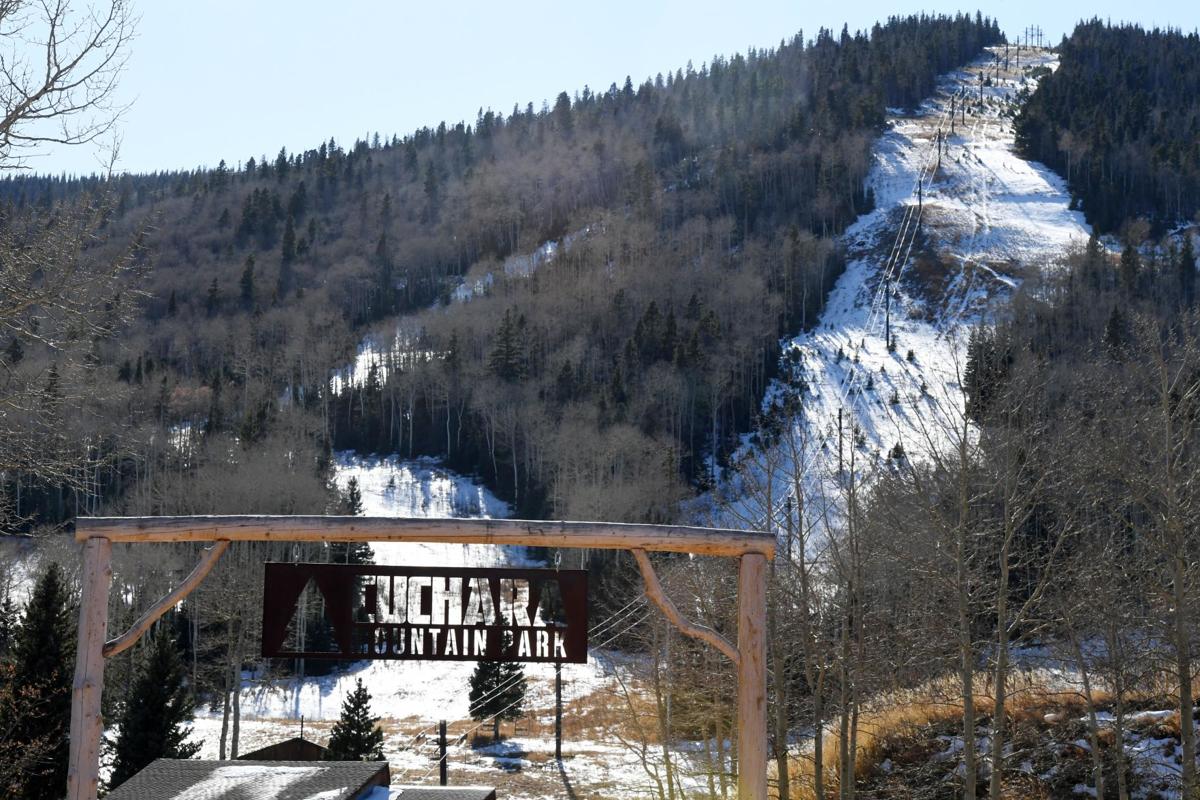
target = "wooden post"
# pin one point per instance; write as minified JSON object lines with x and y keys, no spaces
{"x":752,"y":678}
{"x":443,"y":766}
{"x":83,"y":774}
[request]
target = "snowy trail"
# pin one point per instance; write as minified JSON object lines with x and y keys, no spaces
{"x":984,"y":219}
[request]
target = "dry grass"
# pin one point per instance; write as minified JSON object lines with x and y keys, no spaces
{"x":900,"y":724}
{"x":904,"y":728}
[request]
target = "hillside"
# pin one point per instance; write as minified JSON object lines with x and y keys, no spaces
{"x":695,"y":215}
{"x":961,"y":221}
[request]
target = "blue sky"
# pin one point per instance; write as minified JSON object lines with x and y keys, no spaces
{"x":226,"y":79}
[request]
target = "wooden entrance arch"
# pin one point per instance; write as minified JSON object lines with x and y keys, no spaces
{"x":99,"y":533}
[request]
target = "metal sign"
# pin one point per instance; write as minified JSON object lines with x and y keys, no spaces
{"x":424,"y":613}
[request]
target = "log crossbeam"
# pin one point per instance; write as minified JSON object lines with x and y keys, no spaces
{"x":654,"y":590}
{"x":528,"y":533}
{"x":126,"y":640}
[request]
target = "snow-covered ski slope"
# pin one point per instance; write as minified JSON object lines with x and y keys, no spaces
{"x":926,"y":263}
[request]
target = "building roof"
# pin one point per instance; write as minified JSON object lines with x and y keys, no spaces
{"x":177,"y":779}
{"x":443,"y":793}
{"x":294,"y":749}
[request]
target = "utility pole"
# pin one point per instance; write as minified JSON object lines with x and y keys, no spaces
{"x":443,"y":767}
{"x":887,"y":315}
{"x":839,"y":442}
{"x":558,"y":710}
{"x":787,"y":510}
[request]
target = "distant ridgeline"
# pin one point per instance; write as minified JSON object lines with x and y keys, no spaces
{"x":1119,"y":119}
{"x":696,"y":213}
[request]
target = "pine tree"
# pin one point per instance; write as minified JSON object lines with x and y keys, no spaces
{"x":1114,"y":331}
{"x":498,"y":690}
{"x":352,"y":552}
{"x":247,"y":282}
{"x":298,"y":202}
{"x":1130,"y":268}
{"x":15,"y":351}
{"x":353,"y":500}
{"x":8,"y":625}
{"x":1187,"y":270}
{"x":214,"y":298}
{"x":288,"y":251}
{"x":53,"y":394}
{"x":43,"y":653}
{"x":507,"y":358}
{"x":387,"y":282}
{"x":356,"y":736}
{"x":158,"y":706}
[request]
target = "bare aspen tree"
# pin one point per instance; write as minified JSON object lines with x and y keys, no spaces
{"x":780,"y":487}
{"x":945,"y":481}
{"x":1019,"y":473}
{"x":1155,"y":401}
{"x":59,"y":65}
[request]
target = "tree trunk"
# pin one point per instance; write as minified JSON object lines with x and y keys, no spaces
{"x":228,"y":687}
{"x":237,"y":691}
{"x":713,"y":766}
{"x":723,"y":774}
{"x":819,"y":738}
{"x":845,"y":766}
{"x":1000,"y":681}
{"x":967,"y":677}
{"x":1119,"y":743}
{"x":661,"y":705}
{"x":781,"y":696}
{"x":1183,"y":663}
{"x":1093,"y":723}
{"x":966,"y":669}
{"x":224,"y":722}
